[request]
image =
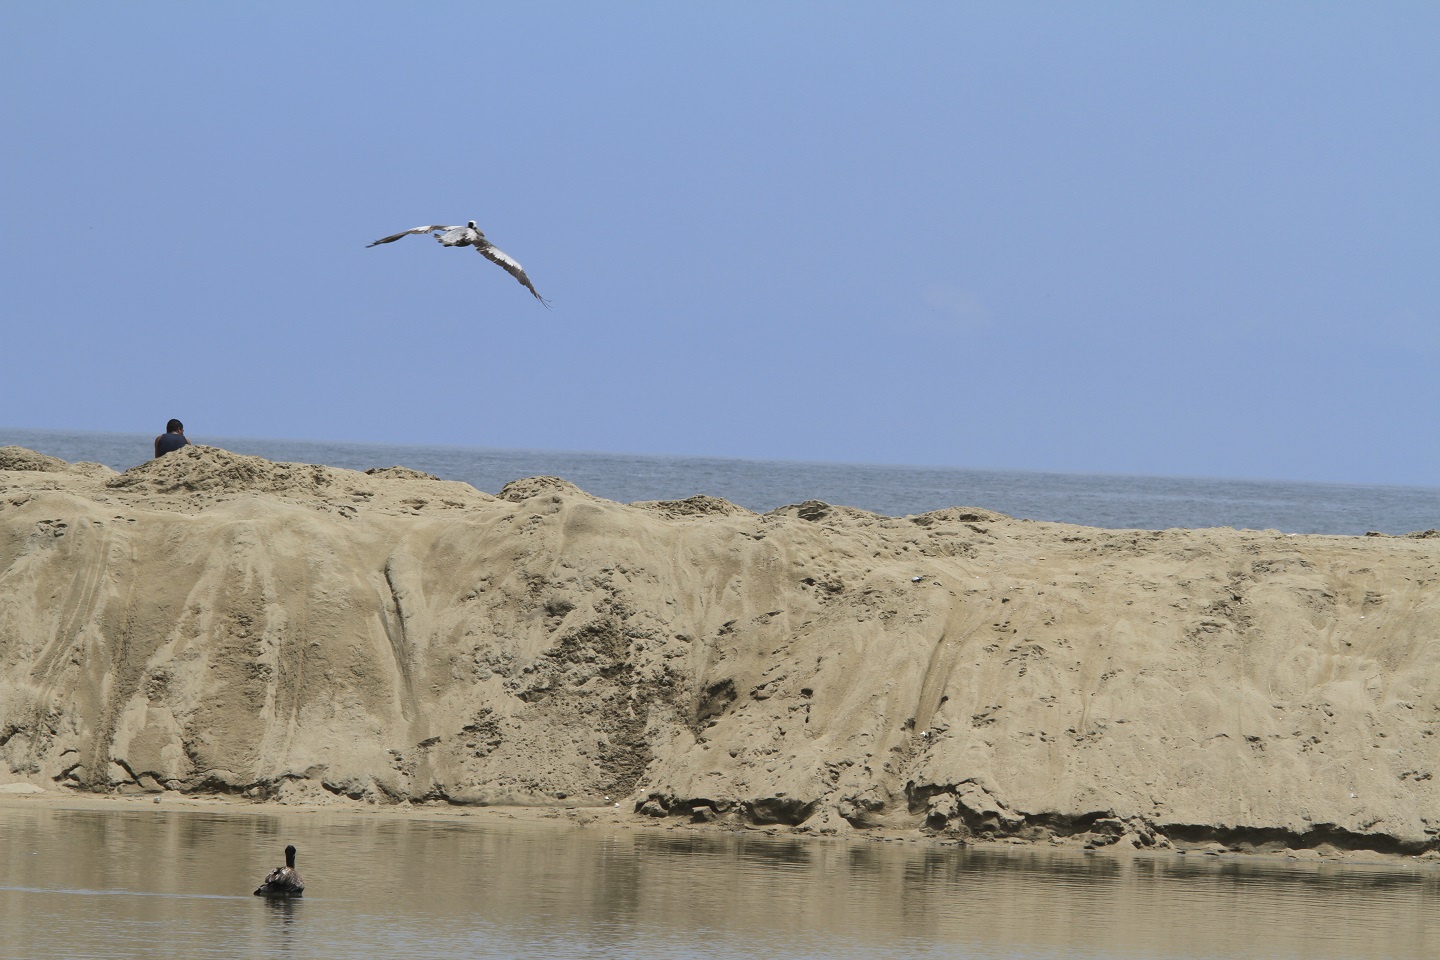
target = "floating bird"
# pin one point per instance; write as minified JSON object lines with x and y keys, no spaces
{"x":282,"y":881}
{"x":471,"y":236}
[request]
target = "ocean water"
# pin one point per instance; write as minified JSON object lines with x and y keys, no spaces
{"x":176,"y":882}
{"x":1100,"y":500}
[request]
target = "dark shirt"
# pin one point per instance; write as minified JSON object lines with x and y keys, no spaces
{"x":169,"y":441}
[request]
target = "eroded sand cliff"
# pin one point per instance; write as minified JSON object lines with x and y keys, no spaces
{"x":210,"y":622}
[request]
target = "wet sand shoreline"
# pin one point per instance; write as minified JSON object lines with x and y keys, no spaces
{"x":608,"y":818}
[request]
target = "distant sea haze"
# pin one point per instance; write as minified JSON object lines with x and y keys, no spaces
{"x":1098,"y":500}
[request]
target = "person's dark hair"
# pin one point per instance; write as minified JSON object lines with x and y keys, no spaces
{"x":174,"y":426}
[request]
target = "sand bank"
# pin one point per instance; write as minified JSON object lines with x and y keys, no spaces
{"x":210,"y":624}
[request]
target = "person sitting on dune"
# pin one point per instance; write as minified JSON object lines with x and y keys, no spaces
{"x":172,"y":439}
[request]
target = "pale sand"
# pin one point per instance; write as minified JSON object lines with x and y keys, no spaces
{"x":216,"y":624}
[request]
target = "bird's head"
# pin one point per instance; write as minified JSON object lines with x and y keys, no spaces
{"x":472,"y":225}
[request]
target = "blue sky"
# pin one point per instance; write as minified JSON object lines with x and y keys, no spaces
{"x":1175,"y":239}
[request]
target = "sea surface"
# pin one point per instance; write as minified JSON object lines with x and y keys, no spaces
{"x":1099,"y":500}
{"x":128,"y":883}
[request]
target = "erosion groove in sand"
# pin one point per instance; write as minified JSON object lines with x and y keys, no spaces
{"x":215,"y":623}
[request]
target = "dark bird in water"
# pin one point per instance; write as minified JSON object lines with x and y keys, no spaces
{"x":282,"y":881}
{"x":470,"y":236}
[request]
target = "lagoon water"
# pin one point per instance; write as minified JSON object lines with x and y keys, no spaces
{"x":1151,"y":503}
{"x":130,"y":883}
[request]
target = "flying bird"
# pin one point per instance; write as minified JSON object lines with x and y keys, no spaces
{"x":282,"y":881}
{"x":471,"y":236}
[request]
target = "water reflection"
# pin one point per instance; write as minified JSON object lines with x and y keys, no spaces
{"x":281,"y":932}
{"x":467,"y":889}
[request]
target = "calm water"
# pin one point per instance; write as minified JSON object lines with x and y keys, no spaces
{"x":1153,"y":503}
{"x":79,"y":884}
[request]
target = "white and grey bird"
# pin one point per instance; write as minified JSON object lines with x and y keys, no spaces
{"x":471,"y":236}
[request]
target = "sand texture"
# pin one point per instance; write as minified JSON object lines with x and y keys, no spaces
{"x":212,"y":623}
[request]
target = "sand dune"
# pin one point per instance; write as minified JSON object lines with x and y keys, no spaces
{"x":210,"y":622}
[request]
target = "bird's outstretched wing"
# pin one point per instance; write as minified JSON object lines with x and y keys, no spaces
{"x":405,"y":233}
{"x":494,"y":254}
